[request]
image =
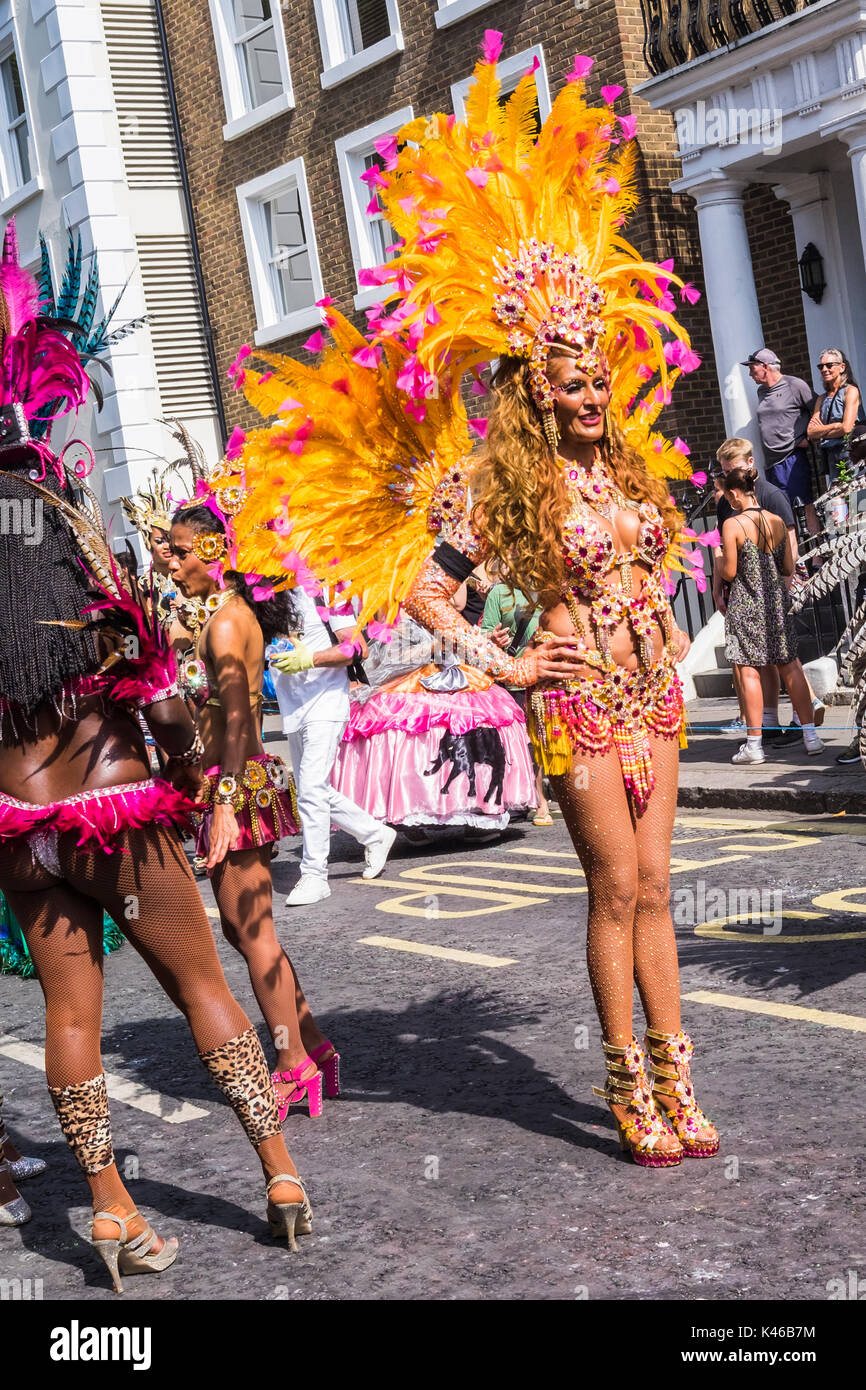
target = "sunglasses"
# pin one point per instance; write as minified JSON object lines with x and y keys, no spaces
{"x":825,"y":366}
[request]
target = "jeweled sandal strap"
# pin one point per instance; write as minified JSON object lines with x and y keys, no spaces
{"x":121,"y":1222}
{"x":140,"y":1245}
{"x":287,"y":1177}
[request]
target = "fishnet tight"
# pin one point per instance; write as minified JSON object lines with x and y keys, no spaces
{"x":147,"y":887}
{"x":243,"y":889}
{"x":630,"y":935}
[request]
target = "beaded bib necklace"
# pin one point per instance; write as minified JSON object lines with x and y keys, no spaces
{"x":595,"y":486}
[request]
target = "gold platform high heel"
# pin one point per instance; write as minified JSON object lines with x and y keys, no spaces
{"x":628,"y":1084}
{"x":289,"y":1218}
{"x":670,"y":1059}
{"x":125,"y":1256}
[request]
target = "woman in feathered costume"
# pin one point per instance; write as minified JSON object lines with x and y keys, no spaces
{"x":510,"y":247}
{"x":84,"y":828}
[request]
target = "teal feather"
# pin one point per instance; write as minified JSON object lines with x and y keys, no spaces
{"x":87,"y":309}
{"x":99,"y":338}
{"x":45,"y":281}
{"x":68,"y":298}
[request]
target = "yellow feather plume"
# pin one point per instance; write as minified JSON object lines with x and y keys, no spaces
{"x":340,"y":484}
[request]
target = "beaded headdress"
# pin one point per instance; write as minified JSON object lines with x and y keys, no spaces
{"x":510,"y":238}
{"x":152,"y":507}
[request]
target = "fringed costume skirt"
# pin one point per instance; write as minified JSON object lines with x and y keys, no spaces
{"x":618,"y":709}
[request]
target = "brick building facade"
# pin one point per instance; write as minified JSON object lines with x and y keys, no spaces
{"x":248,"y":118}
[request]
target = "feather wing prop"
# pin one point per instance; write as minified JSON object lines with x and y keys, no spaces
{"x":345,"y":476}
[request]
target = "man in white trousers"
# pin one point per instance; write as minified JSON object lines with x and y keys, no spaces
{"x":312,"y":690}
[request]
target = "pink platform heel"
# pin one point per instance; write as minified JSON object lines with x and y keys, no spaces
{"x":330,"y":1068}
{"x":310,"y":1088}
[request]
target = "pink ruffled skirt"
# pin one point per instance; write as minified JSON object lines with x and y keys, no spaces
{"x":434,"y":758}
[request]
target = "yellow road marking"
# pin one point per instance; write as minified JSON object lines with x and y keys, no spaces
{"x":852,"y":1022}
{"x":434,"y":874}
{"x":212,"y":911}
{"x":416,"y":948}
{"x":719,"y":823}
{"x":119,"y":1087}
{"x":404,"y":906}
{"x":716,"y":930}
{"x":839,"y":901}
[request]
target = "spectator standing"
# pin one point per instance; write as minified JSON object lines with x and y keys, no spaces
{"x":312,"y":688}
{"x":784,"y":409}
{"x":737,"y":452}
{"x":759,"y":632}
{"x":837,"y":410}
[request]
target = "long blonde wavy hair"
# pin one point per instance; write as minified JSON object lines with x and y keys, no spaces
{"x":519,"y":494}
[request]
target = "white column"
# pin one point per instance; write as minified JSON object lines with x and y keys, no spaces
{"x":854,"y":136}
{"x":732,"y":300}
{"x":810,"y":200}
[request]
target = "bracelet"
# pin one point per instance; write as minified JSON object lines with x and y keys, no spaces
{"x":153,"y":697}
{"x":226,"y":790}
{"x":193,"y":754}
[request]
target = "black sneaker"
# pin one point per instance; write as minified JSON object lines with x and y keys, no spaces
{"x":851,"y":754}
{"x":793,"y":734}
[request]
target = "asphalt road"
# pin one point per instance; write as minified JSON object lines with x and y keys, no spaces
{"x":468,"y":1157}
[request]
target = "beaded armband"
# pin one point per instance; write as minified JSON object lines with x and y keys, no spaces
{"x":153,"y":697}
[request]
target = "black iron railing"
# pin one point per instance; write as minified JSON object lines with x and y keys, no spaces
{"x":678,"y":31}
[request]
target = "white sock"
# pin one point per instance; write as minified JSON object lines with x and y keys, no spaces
{"x":753,"y":742}
{"x":770,"y":719}
{"x":795,"y":718}
{"x":809,"y":731}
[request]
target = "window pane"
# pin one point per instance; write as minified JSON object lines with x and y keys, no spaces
{"x":382,"y":234}
{"x":366,"y":21}
{"x":21,"y":136}
{"x":292,"y":274}
{"x":12,"y":87}
{"x":249,"y":14}
{"x":261,"y":67}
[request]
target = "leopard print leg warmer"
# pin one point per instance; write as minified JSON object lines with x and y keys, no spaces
{"x":239,"y":1069}
{"x":82,"y":1110}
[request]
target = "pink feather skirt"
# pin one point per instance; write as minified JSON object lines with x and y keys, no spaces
{"x":100,"y":815}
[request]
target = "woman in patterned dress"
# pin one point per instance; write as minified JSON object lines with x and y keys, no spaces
{"x":759,"y":629}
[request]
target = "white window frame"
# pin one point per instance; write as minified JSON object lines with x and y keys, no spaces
{"x":351,"y":150}
{"x":510,"y":71}
{"x":272,"y":324}
{"x":240,"y":117}
{"x":12,"y":192}
{"x":452,"y":11}
{"x":336,"y":66}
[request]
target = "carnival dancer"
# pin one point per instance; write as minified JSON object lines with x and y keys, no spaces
{"x":433,"y":742}
{"x":249,"y":797}
{"x":84,"y":827}
{"x":512,"y":248}
{"x":584,"y":332}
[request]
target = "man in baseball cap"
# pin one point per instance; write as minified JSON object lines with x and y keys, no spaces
{"x":785,"y":406}
{"x":764,"y":357}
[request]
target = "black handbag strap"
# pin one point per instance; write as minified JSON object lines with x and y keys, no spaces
{"x":355,"y":668}
{"x":520,"y":631}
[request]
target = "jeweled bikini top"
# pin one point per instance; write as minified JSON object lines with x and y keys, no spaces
{"x":591,"y":555}
{"x":589,"y":550}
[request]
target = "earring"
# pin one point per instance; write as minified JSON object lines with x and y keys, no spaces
{"x":551,"y":429}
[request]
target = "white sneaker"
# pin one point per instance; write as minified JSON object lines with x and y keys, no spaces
{"x":819,"y":709}
{"x":376,"y":854}
{"x":308,"y":889}
{"x":813,"y":744}
{"x":745,"y":754}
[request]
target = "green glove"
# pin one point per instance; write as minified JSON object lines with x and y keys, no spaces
{"x":300,"y":658}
